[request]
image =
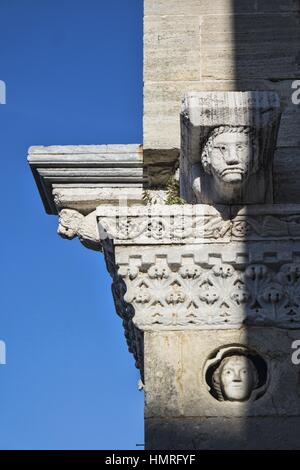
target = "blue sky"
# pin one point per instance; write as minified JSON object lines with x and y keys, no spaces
{"x":73,"y":71}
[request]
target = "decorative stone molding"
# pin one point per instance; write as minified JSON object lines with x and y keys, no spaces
{"x":220,"y":278}
{"x":163,"y":224}
{"x":228,"y":144}
{"x":197,"y":296}
{"x":84,"y":176}
{"x":198,"y":223}
{"x":134,"y":336}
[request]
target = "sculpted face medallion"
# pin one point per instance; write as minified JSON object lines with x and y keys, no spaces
{"x":237,"y":378}
{"x":235,"y":374}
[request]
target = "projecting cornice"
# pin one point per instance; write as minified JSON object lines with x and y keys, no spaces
{"x":82,"y":177}
{"x":85,"y":176}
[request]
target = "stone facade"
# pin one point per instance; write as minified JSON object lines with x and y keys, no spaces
{"x":233,"y":46}
{"x":208,"y":289}
{"x":181,"y":412}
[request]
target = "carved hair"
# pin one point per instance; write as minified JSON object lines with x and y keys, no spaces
{"x":216,"y":378}
{"x":208,"y":146}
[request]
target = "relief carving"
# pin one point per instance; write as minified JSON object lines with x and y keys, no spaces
{"x":73,"y":224}
{"x":235,"y":374}
{"x":221,"y":296}
{"x":229,"y":157}
{"x":228,"y":141}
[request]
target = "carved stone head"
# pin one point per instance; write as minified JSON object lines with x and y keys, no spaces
{"x":230,"y":157}
{"x":230,"y":154}
{"x":235,"y":378}
{"x":228,"y":141}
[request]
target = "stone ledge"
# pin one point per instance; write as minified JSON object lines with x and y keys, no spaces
{"x":85,"y":166}
{"x":199,"y":223}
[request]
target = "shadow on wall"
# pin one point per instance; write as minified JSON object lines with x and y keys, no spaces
{"x":266,"y":47}
{"x":266,"y":51}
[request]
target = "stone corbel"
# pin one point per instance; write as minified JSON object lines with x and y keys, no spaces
{"x":228,"y":141}
{"x":73,"y":224}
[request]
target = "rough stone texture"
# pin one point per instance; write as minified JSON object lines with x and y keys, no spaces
{"x":181,"y":35}
{"x":250,"y":46}
{"x":86,"y":197}
{"x":287,"y":175}
{"x":242,"y":45}
{"x":278,"y":433}
{"x":200,"y":7}
{"x":175,"y":388}
{"x":164,"y":105}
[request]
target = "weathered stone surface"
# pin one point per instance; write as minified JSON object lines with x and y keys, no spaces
{"x":162,"y":128}
{"x":83,"y":173}
{"x":73,"y":224}
{"x":93,"y":153}
{"x":163,"y":104}
{"x":176,"y":385}
{"x":229,"y":47}
{"x":212,"y":287}
{"x":203,"y":7}
{"x":198,"y":223}
{"x":231,"y":287}
{"x":250,"y":46}
{"x":182,"y":414}
{"x":276,"y":433}
{"x":172,"y":47}
{"x":86,"y":198}
{"x":287,"y":175}
{"x":198,"y":267}
{"x":228,"y":141}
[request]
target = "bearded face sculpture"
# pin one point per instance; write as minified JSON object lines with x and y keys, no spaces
{"x":229,"y":154}
{"x":228,"y":142}
{"x":230,"y":157}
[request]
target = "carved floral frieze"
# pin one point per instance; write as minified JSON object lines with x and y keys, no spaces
{"x":219,"y":296}
{"x":196,"y":267}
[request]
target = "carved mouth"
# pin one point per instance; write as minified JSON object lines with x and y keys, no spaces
{"x":232,"y":170}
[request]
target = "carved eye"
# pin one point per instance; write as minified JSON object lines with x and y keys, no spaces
{"x":241,"y":147}
{"x":222,"y":148}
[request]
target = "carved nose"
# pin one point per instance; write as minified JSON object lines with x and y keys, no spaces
{"x":231,"y":156}
{"x":237,"y":377}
